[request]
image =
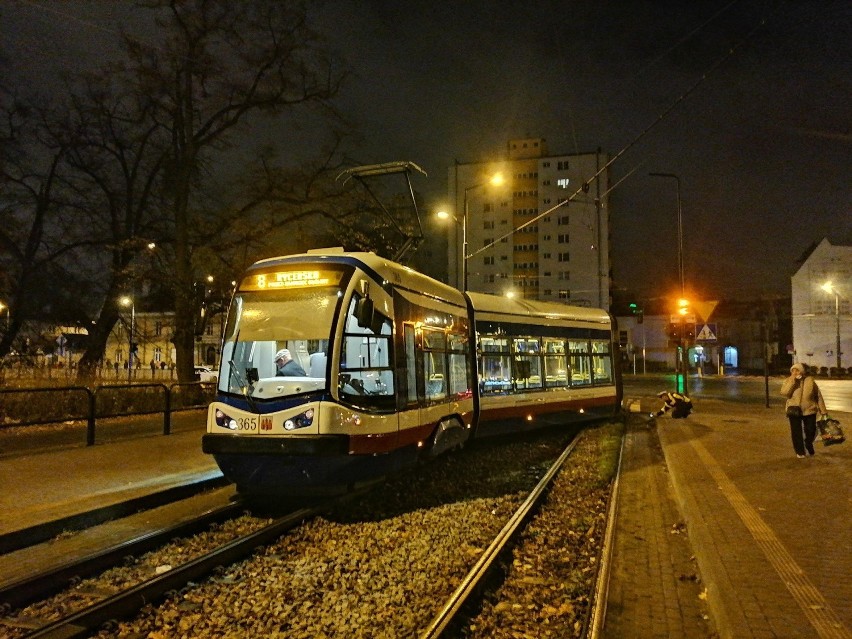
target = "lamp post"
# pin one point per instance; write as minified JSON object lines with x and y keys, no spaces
{"x":495,"y":180}
{"x":679,"y":229}
{"x":828,"y":287}
{"x":128,"y":301}
{"x":684,"y":360}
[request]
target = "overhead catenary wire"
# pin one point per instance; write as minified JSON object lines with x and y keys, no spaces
{"x":675,"y":103}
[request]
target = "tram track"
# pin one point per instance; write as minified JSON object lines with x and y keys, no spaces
{"x":86,"y":620}
{"x":451,"y":615}
{"x":379,"y":564}
{"x":82,"y":623}
{"x":44,"y":583}
{"x":504,"y":595}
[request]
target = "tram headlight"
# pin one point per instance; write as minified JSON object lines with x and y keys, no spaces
{"x":225,"y":421}
{"x":300,"y":421}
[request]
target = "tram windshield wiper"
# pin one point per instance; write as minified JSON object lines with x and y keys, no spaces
{"x":245,"y":387}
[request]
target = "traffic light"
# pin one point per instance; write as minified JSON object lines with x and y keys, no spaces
{"x":638,"y":312}
{"x":683,"y":306}
{"x":673,"y":332}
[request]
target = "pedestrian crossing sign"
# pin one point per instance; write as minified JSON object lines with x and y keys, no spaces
{"x":706,"y":334}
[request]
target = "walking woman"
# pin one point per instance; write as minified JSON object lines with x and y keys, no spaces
{"x":804,"y":399}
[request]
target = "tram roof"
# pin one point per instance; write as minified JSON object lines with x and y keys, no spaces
{"x":500,"y":307}
{"x":524,"y":308}
{"x":383,"y":268}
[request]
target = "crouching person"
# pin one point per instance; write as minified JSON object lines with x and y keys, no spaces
{"x":679,"y":404}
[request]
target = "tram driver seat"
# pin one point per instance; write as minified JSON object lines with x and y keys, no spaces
{"x":318,"y":363}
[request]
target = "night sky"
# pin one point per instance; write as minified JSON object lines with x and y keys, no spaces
{"x":762,"y":145}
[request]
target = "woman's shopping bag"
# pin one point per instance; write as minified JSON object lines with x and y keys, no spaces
{"x":830,"y":431}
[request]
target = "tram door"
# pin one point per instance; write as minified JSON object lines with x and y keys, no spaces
{"x":410,"y":413}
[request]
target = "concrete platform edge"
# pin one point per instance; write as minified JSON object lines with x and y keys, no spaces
{"x":727,"y":614}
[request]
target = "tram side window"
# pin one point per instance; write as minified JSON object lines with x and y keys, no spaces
{"x":460,"y":379}
{"x":601,"y":362}
{"x":435,"y":364}
{"x":496,"y":370}
{"x":555,"y":363}
{"x":527,"y":362}
{"x":581,"y":364}
{"x":366,"y":374}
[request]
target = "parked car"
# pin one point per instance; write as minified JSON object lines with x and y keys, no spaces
{"x":206,"y":374}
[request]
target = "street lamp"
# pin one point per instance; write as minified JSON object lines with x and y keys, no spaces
{"x":128,"y":301}
{"x":680,"y":270}
{"x":8,"y":315}
{"x":679,"y":229}
{"x":494,"y":180}
{"x":828,"y":287}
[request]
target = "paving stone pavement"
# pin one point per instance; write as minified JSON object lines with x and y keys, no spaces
{"x":654,"y":590}
{"x":769,"y":532}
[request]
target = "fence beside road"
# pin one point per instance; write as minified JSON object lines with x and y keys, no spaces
{"x":21,"y":407}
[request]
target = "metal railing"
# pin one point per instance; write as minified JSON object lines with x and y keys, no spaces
{"x":57,"y":405}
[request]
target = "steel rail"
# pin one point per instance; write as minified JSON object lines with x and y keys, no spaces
{"x":594,"y":623}
{"x":43,"y":584}
{"x":128,"y":602}
{"x":474,"y":579}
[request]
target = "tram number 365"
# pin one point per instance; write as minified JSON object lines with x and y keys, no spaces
{"x":246,"y":423}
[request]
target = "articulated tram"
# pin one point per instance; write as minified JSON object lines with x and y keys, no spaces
{"x":392,"y":366}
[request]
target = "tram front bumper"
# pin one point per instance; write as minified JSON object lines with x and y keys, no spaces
{"x":305,"y":446}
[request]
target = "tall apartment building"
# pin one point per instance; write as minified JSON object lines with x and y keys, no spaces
{"x":524,"y":237}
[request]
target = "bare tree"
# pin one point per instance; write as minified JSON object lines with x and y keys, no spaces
{"x":35,"y":236}
{"x":118,"y":160}
{"x":219,"y":63}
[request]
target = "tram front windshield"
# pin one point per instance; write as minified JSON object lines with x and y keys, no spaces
{"x":277,"y":341}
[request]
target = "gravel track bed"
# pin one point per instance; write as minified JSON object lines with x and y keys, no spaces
{"x":382,"y":566}
{"x":138,"y":569}
{"x":548,"y":586}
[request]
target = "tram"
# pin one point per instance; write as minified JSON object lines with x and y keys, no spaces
{"x":390,"y":366}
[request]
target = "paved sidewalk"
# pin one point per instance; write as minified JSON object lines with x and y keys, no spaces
{"x":770,"y":532}
{"x":654,"y":588}
{"x":46,"y":486}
